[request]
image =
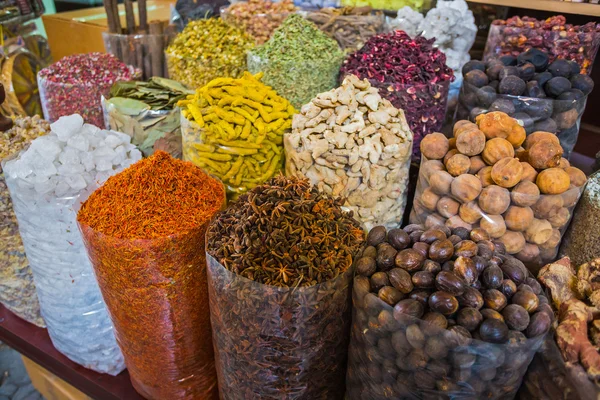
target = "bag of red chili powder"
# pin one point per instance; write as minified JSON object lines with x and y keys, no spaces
{"x":144,"y":231}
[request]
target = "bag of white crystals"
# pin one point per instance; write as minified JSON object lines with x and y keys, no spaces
{"x":47,"y":184}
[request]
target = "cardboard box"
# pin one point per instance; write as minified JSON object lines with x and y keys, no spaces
{"x":80,"y":31}
{"x":49,"y":385}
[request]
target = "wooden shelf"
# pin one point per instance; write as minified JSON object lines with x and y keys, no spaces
{"x":560,"y":7}
{"x":34,"y":343}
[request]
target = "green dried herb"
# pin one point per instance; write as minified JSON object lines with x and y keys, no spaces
{"x":157,"y":94}
{"x":208,"y":49}
{"x":299,"y":61}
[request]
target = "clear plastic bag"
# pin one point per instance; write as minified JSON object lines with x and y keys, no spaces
{"x":241,"y":172}
{"x":145,"y":52}
{"x":17,"y":290}
{"x":385,"y":362}
{"x":561,"y":117}
{"x":550,"y":378}
{"x":146,"y":128}
{"x":533,"y":236}
{"x":70,"y":300}
{"x":272,"y":342}
{"x":164,"y":329}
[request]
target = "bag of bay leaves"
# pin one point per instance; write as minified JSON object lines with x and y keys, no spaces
{"x":147,"y":111}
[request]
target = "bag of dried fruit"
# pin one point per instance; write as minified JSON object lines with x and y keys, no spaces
{"x":280,"y":264}
{"x":353,"y":143}
{"x":490,"y":175}
{"x":542,"y":96}
{"x":566,"y":368}
{"x":441,"y":313}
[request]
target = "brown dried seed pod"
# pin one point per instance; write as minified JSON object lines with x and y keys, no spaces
{"x":485,"y":176}
{"x":450,"y":282}
{"x":376,"y":236}
{"x":507,"y":172}
{"x":576,"y":176}
{"x":494,"y":200}
{"x":545,"y":154}
{"x":398,"y":238}
{"x":408,"y":307}
{"x":494,"y":299}
{"x":526,"y":299}
{"x":494,"y":225}
{"x":401,"y":280}
{"x":431,"y":235}
{"x":409,"y":259}
{"x":366,"y":266}
{"x":552,"y":242}
{"x":518,"y":218}
{"x":390,"y":295}
{"x":471,"y":298}
{"x":443,"y":302}
{"x":516,"y":317}
{"x":525,"y":194}
{"x":497,"y":149}
{"x":470,"y":212}
{"x":539,"y":231}
{"x":434,"y":146}
{"x":508,"y":288}
{"x":537,"y":136}
{"x":514,"y":241}
{"x":441,"y":251}
{"x":477,"y":164}
{"x":466,"y":188}
{"x":458,"y":164}
{"x":436,"y":319}
{"x":429,"y":199}
{"x":447,"y":207}
{"x":422,"y":248}
{"x":553,"y":181}
{"x":471,"y":143}
{"x":379,"y":280}
{"x":440,"y":182}
{"x":423,"y":280}
{"x":430,"y":167}
{"x":432,"y":266}
{"x":465,"y":269}
{"x":529,"y":173}
{"x":488,"y":313}
{"x":561,"y":218}
{"x":466,"y":248}
{"x":539,"y":324}
{"x":469,"y":318}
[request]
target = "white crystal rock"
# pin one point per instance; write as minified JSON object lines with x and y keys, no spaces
{"x":66,"y":127}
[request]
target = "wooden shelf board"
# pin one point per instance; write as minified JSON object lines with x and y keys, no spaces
{"x":561,"y":7}
{"x":34,"y":343}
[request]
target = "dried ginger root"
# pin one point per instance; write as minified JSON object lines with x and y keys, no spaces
{"x":560,"y":278}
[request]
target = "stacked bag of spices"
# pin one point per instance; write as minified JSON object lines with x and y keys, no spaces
{"x":567,"y":367}
{"x":207,"y":49}
{"x":544,"y":96}
{"x":351,"y":142}
{"x":299,"y":61}
{"x":410,"y":73}
{"x":442,"y":313}
{"x":76,"y":84}
{"x":233,"y":128}
{"x":17,"y":289}
{"x":47,"y":183}
{"x":144,"y":231}
{"x":148,"y":112}
{"x":280,"y":265}
{"x":519,"y":190}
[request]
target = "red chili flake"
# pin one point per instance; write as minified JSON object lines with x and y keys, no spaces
{"x":144,"y":230}
{"x":76,"y":83}
{"x":410,"y":73}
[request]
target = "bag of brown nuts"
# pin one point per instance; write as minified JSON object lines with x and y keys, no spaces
{"x":518,"y":188}
{"x":442,"y":313}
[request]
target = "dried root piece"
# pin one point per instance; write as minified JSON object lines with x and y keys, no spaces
{"x":560,"y":278}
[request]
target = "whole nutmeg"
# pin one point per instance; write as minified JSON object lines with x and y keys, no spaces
{"x":401,"y":280}
{"x":485,"y":249}
{"x":448,"y":266}
{"x":409,"y":259}
{"x":526,"y":299}
{"x":464,"y":332}
{"x":390,"y":295}
{"x":379,"y":280}
{"x":376,"y":235}
{"x":508,"y":288}
{"x":534,"y":284}
{"x":441,"y":250}
{"x":465,"y":269}
{"x":516,"y":317}
{"x":454,"y":239}
{"x":488,"y":313}
{"x":470,"y":318}
{"x":415,"y":336}
{"x":435,"y":348}
{"x":410,"y":228}
{"x":539,"y":324}
{"x":466,"y":248}
{"x":366,"y":266}
{"x":443,"y":302}
{"x":492,"y":277}
{"x":479,"y":234}
{"x":386,"y":255}
{"x":423,"y":280}
{"x":494,"y":299}
{"x":362,"y":285}
{"x":408,"y":307}
{"x":480,"y":264}
{"x":461,"y":232}
{"x":421,"y":295}
{"x":431,"y":267}
{"x":431,"y":235}
{"x":422,"y":248}
{"x":450,"y":282}
{"x":370,"y":252}
{"x":493,"y":331}
{"x":416,"y":235}
{"x":436,"y":319}
{"x":515,"y":270}
{"x":471,"y":298}
{"x":398,"y":239}
{"x":499,"y":248}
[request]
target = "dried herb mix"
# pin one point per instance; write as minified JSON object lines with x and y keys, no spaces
{"x":207,"y":49}
{"x":236,"y":131}
{"x":410,"y":73}
{"x":299,"y":61}
{"x":144,"y":231}
{"x":279,"y":272}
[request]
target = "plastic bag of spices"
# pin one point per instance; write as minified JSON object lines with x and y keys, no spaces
{"x":233,"y":128}
{"x":491,"y":176}
{"x":150,"y":257}
{"x":47,"y":182}
{"x":280,"y":299}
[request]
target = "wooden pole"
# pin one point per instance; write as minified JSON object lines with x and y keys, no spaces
{"x":157,"y":48}
{"x":143,"y":14}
